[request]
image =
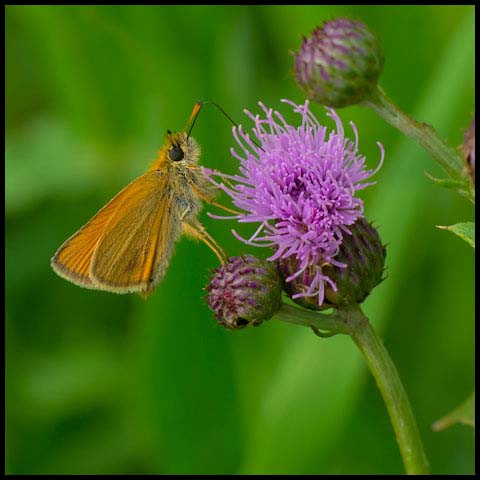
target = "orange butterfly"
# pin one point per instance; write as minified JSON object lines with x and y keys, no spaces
{"x":126,"y":247}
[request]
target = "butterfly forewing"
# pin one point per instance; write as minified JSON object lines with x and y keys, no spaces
{"x":134,"y":252}
{"x":72,"y":260}
{"x":129,"y":241}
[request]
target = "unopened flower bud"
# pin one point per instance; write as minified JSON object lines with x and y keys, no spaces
{"x":244,"y":291}
{"x":468,"y":150}
{"x":363,"y":255}
{"x":340,"y":63}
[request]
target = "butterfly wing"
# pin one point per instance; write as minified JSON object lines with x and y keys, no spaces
{"x":127,"y":244}
{"x":133,"y":253}
{"x":72,"y":260}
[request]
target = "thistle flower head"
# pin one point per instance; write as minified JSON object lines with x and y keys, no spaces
{"x":299,"y":184}
{"x":244,"y":291}
{"x":364,"y":256}
{"x":340,"y":63}
{"x":468,"y":149}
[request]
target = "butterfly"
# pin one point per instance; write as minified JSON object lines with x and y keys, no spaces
{"x":127,"y":245}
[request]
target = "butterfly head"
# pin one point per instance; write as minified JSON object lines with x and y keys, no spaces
{"x":181,"y":149}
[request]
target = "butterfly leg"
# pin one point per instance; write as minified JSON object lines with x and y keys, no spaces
{"x":207,"y":199}
{"x":185,"y":212}
{"x":197,"y":230}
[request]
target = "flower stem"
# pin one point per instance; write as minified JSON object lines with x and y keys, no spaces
{"x":391,"y":388}
{"x":425,"y":136}
{"x":353,"y":322}
{"x":300,"y":316}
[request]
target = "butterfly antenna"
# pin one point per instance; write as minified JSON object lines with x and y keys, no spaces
{"x":197,"y":108}
{"x":233,"y":122}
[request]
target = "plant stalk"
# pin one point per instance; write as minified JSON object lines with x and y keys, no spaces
{"x":425,"y":136}
{"x":391,"y":388}
{"x":353,"y":322}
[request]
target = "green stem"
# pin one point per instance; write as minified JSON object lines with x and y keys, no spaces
{"x":353,"y":322}
{"x":299,"y":316}
{"x":425,"y":136}
{"x":391,"y":388}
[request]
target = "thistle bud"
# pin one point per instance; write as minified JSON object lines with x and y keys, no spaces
{"x":244,"y":291}
{"x":468,"y":150}
{"x":364,"y":256}
{"x":340,"y":63}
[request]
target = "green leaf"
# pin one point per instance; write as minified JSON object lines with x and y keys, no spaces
{"x":465,"y":230}
{"x":445,"y":182}
{"x":465,"y":414}
{"x":461,"y":187}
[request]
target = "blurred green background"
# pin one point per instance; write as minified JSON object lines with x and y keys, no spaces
{"x":101,"y":383}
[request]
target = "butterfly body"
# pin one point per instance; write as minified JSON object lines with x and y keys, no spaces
{"x":126,"y":247}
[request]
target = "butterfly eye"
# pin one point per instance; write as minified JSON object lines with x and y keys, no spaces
{"x":176,"y":154}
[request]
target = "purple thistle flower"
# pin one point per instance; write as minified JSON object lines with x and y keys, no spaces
{"x":300,"y":185}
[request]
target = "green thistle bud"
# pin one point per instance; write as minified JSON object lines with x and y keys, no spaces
{"x":244,"y":291}
{"x":364,"y":256}
{"x":340,"y":63}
